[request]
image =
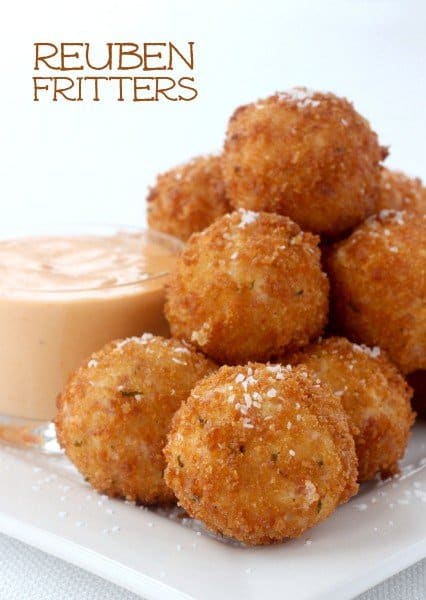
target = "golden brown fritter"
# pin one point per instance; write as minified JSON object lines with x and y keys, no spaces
{"x":374,"y":395}
{"x":304,"y":154}
{"x":261,"y":453}
{"x":188,"y":198}
{"x":417,"y":380}
{"x":378,"y":286}
{"x":248,"y":287}
{"x":115,"y":411}
{"x":400,"y":192}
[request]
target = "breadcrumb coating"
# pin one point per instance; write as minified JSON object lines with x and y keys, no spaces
{"x":400,"y":192}
{"x":188,"y":198}
{"x":247,"y":288}
{"x":114,"y":413}
{"x":378,"y":286}
{"x":261,"y":453}
{"x":305,"y":154}
{"x":374,"y":395}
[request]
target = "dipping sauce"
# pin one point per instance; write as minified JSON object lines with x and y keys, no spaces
{"x":63,"y":297}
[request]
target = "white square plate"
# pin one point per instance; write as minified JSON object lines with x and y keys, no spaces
{"x":45,"y":503}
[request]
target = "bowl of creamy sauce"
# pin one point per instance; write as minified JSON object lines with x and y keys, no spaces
{"x":65,"y":294}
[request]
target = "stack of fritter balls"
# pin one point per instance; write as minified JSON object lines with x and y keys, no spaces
{"x":247,"y":417}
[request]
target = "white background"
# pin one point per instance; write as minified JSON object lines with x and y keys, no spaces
{"x":92,"y":162}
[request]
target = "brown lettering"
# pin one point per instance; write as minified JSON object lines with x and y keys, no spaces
{"x":95,"y":86}
{"x":40,"y":87}
{"x":173,"y":49}
{"x":39,"y":58}
{"x":107,"y":65}
{"x":160,"y":82}
{"x":60,"y":87}
{"x":147,"y":55}
{"x":120,"y":86}
{"x":137,"y":87}
{"x":64,"y":55}
{"x":131,"y":52}
{"x":181,"y":82}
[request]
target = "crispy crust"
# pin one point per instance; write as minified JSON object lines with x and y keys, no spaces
{"x":261,"y":459}
{"x":400,"y":192}
{"x":306,"y":155}
{"x":374,"y":395}
{"x":378,"y":286}
{"x":247,"y":288}
{"x":188,"y":198}
{"x":115,"y":411}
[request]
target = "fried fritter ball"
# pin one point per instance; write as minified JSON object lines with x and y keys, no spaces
{"x":115,"y":411}
{"x":400,"y":192}
{"x":304,"y":154}
{"x":374,"y":395}
{"x":378,"y":285}
{"x":248,"y":287}
{"x":417,"y":380}
{"x":261,"y":453}
{"x":188,"y":198}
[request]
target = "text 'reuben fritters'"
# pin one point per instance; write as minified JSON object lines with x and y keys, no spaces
{"x":122,"y":71}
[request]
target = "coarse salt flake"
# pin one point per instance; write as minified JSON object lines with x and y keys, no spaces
{"x":179,"y":362}
{"x":301,"y":97}
{"x":397,"y":216}
{"x":181,"y":350}
{"x":374,"y":352}
{"x":247,"y":217}
{"x":142,"y":340}
{"x":248,"y":400}
{"x":243,"y":408}
{"x":273,"y":368}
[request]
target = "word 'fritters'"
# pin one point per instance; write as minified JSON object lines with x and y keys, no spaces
{"x":111,"y":71}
